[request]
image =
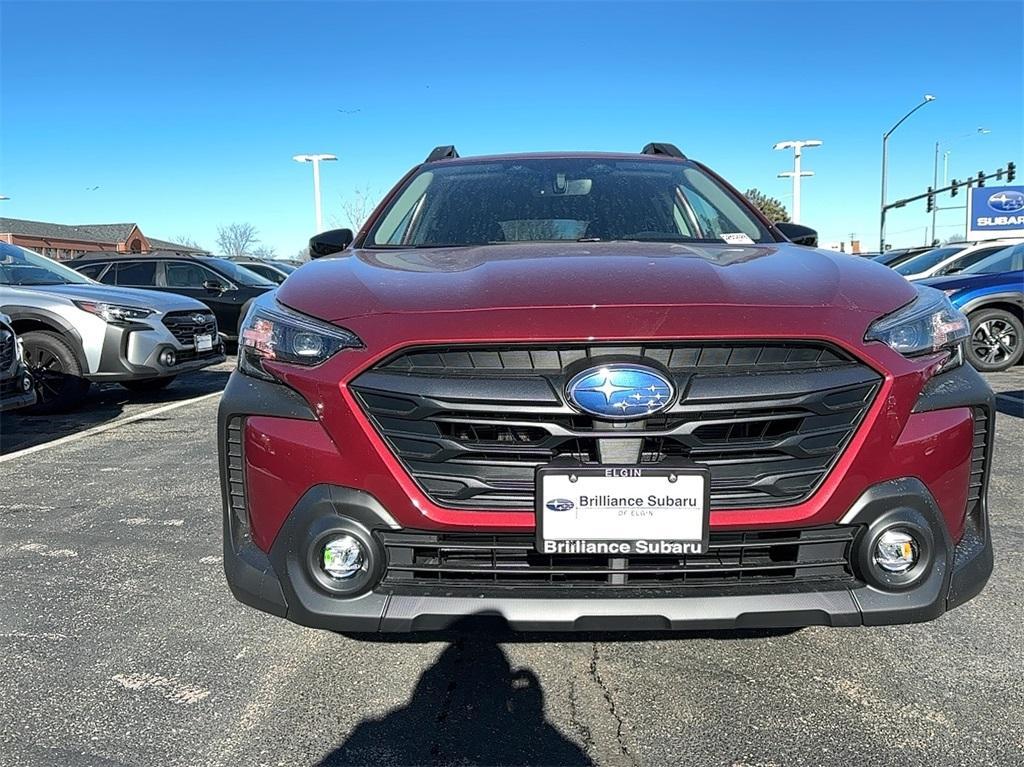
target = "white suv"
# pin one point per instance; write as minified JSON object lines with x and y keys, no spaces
{"x":952,"y":258}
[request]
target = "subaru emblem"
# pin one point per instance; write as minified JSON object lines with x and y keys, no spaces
{"x":560,"y":504}
{"x":619,"y":392}
{"x":198,"y":319}
{"x":1007,"y":201}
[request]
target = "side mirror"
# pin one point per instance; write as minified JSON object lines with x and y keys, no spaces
{"x":331,"y":241}
{"x":798,"y":234}
{"x":214,"y":286}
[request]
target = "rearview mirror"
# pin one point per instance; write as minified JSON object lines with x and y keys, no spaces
{"x":331,"y":241}
{"x":798,"y":234}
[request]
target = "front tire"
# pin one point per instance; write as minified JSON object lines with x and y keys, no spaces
{"x":997,"y":340}
{"x":148,"y":384}
{"x":60,"y":385}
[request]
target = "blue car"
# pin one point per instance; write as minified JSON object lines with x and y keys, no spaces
{"x":991,"y":294}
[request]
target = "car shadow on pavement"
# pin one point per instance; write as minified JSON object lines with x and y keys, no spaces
{"x":470,"y":708}
{"x":1011,"y":403}
{"x":105,"y":403}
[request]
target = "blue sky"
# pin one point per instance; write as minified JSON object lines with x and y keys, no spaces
{"x":186,"y":115}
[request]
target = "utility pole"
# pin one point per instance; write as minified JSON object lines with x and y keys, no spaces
{"x":316,"y":159}
{"x":796,"y":174}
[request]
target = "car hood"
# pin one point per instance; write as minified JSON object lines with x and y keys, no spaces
{"x":535,"y":275}
{"x":149,"y":299}
{"x":965,"y":281}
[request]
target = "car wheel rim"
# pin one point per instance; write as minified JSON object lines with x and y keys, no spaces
{"x":994,"y":341}
{"x":47,"y":372}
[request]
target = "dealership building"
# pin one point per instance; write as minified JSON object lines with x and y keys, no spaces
{"x":66,"y":241}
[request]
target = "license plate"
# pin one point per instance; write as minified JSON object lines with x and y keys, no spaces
{"x":622,"y":510}
{"x":204,"y":342}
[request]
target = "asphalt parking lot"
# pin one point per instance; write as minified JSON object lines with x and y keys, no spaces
{"x":121,"y":644}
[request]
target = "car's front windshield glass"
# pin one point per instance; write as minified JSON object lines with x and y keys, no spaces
{"x":19,"y":266}
{"x":240,"y":274}
{"x":563,"y":199}
{"x":1004,"y":260}
{"x":927,"y":260}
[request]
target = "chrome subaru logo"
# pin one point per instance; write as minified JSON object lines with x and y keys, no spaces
{"x":198,"y":319}
{"x":1007,"y":202}
{"x":618,"y":392}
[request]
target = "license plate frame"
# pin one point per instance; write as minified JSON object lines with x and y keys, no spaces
{"x":203,"y":342}
{"x":689,"y":535}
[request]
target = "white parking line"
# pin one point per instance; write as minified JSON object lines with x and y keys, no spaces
{"x":106,"y":427}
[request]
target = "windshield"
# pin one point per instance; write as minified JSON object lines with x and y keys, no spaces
{"x":239,"y":273}
{"x":927,"y":260}
{"x":19,"y":266}
{"x":1005,"y":260}
{"x":563,"y":199}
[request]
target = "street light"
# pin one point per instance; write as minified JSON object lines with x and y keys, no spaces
{"x":945,"y":166}
{"x":316,"y":159}
{"x":885,"y":166}
{"x":796,"y":173}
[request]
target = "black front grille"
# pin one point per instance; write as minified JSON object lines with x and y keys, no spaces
{"x":185,"y":326}
{"x":979,"y":460}
{"x":7,"y":344}
{"x":472,"y":424}
{"x":819,"y":556}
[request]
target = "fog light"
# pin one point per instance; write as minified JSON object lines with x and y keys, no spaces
{"x":168,"y":358}
{"x":896,"y":551}
{"x":343,"y":557}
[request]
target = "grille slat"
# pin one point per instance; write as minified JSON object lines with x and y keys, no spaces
{"x":466,"y":559}
{"x":7,"y":346}
{"x":471,"y":425}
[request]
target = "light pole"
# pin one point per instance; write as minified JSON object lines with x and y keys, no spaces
{"x":885,"y":166}
{"x":945,"y":166}
{"x":316,"y":159}
{"x":796,"y":173}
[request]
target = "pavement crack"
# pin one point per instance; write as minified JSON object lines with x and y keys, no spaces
{"x":595,"y":674}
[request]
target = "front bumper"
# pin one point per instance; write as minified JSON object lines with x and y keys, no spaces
{"x":281,"y":583}
{"x":131,"y":352}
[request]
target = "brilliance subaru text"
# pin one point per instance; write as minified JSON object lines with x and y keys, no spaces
{"x":599,"y":392}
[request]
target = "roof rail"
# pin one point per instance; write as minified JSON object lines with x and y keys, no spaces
{"x":669,"y":150}
{"x":442,"y":153}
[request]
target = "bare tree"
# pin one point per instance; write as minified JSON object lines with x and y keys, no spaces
{"x":357,"y":207}
{"x":188,"y":242}
{"x":237,"y":239}
{"x":263,"y":251}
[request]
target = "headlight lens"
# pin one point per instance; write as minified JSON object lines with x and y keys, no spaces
{"x":114,"y":313}
{"x":928,"y":324}
{"x":274,"y":332}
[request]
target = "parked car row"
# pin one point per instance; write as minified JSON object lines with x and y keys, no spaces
{"x":139,"y":321}
{"x":985,"y":280}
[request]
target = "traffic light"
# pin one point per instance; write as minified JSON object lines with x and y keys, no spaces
{"x":931,"y":200}
{"x":981,"y":178}
{"x":1011,"y":172}
{"x":953,"y":187}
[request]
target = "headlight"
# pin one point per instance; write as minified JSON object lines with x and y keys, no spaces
{"x":114,"y":313}
{"x":274,"y":332}
{"x":928,"y":324}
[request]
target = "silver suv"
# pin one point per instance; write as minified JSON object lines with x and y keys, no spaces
{"x":76,"y":331}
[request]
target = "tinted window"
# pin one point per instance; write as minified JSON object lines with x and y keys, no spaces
{"x":265,"y":271}
{"x":239,"y":274}
{"x":185,"y":274}
{"x":92,"y":270}
{"x":137,"y":273}
{"x":540,"y":199}
{"x":928,"y":259}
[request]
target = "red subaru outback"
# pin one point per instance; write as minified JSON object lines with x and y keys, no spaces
{"x":599,"y":391}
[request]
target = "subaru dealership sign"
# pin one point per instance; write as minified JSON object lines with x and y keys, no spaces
{"x":995,"y":212}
